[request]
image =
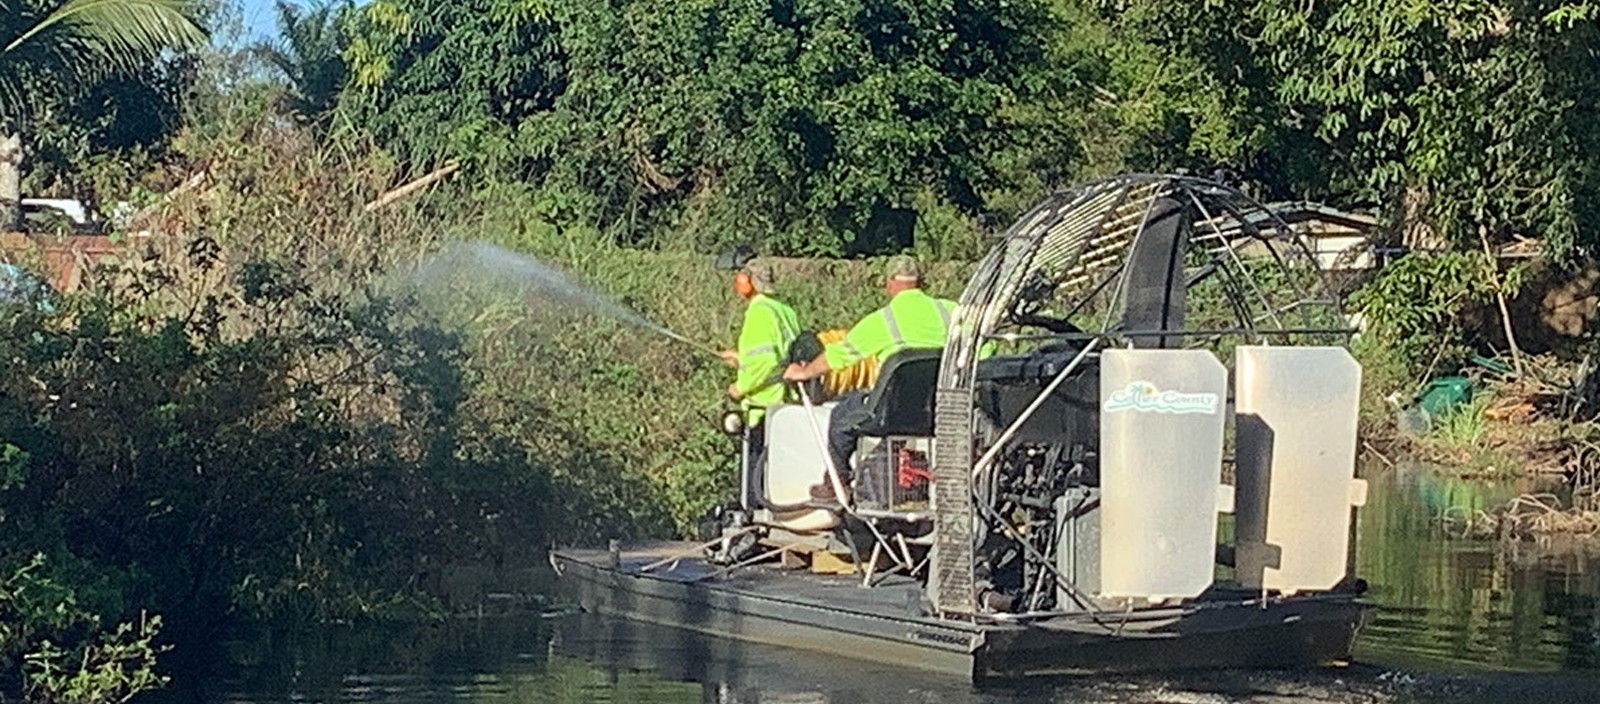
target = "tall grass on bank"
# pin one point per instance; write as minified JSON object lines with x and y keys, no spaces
{"x":647,"y":406}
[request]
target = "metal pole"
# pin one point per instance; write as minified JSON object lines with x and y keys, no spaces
{"x":1214,"y":332}
{"x":833,"y":475}
{"x":827,"y":456}
{"x":691,"y":552}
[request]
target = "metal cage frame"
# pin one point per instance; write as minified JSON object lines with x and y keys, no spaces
{"x":1076,"y":244}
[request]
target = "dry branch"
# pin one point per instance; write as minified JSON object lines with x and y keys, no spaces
{"x":397,"y":193}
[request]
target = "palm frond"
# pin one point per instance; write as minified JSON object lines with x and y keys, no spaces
{"x":288,"y":14}
{"x":122,"y":33}
{"x":61,"y":45}
{"x":309,"y":53}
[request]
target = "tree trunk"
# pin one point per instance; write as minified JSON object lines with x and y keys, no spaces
{"x":10,"y":179}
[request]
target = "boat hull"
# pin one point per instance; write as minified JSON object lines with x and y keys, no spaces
{"x":885,"y":624}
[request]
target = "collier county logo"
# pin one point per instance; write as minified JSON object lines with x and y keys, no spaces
{"x":1143,"y":396}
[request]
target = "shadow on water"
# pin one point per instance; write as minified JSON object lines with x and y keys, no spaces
{"x":1462,"y":621}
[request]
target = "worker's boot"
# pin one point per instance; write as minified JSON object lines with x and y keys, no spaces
{"x":823,"y":493}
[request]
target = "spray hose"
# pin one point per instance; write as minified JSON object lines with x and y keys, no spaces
{"x":860,"y":376}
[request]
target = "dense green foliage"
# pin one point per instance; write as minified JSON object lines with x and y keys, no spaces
{"x":54,"y":47}
{"x":55,"y":53}
{"x":220,"y":429}
{"x":1419,"y":313}
{"x":812,"y":126}
{"x":832,"y":127}
{"x":1414,"y":308}
{"x":55,"y":57}
{"x":872,"y":126}
{"x":1459,"y":117}
{"x":440,"y":80}
{"x":43,"y":604}
{"x":96,"y":144}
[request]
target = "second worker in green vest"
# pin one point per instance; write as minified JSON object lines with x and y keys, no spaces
{"x":912,"y":320}
{"x":770,"y":327}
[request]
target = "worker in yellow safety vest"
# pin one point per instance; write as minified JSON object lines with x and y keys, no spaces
{"x":770,"y":326}
{"x":912,"y":320}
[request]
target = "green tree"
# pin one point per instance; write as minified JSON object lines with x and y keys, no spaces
{"x":1467,"y":118}
{"x":813,"y":126}
{"x":102,"y":142}
{"x":310,"y":55}
{"x":442,"y":79}
{"x":54,"y":47}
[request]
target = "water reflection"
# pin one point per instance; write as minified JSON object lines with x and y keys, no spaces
{"x":1458,"y":602}
{"x":745,"y":672}
{"x":592,"y":659}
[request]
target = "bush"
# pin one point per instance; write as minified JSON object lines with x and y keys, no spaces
{"x":235,"y":420}
{"x":1416,"y":310}
{"x":244,"y":441}
{"x":66,"y":656}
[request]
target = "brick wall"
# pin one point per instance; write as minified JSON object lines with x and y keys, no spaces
{"x":63,"y":260}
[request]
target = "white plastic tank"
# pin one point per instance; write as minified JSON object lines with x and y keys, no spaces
{"x":1162,"y":416}
{"x":796,"y":459}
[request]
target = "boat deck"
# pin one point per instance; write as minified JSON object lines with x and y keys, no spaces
{"x":890,"y":594}
{"x":887,"y":623}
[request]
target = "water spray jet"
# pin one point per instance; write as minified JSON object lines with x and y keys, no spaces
{"x":484,"y":263}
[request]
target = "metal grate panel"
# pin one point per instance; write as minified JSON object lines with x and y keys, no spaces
{"x":950,"y":581}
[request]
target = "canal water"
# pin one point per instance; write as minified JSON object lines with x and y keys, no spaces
{"x":1462,"y":620}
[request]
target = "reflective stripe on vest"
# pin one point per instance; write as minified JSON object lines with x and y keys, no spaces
{"x":897,"y":339}
{"x":894,"y":327}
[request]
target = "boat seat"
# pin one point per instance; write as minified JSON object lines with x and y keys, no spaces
{"x":901,"y":403}
{"x":895,"y":431}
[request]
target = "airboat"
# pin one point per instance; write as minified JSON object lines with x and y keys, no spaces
{"x":1136,"y":451}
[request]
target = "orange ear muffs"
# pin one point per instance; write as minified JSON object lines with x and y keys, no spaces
{"x":742,"y":284}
